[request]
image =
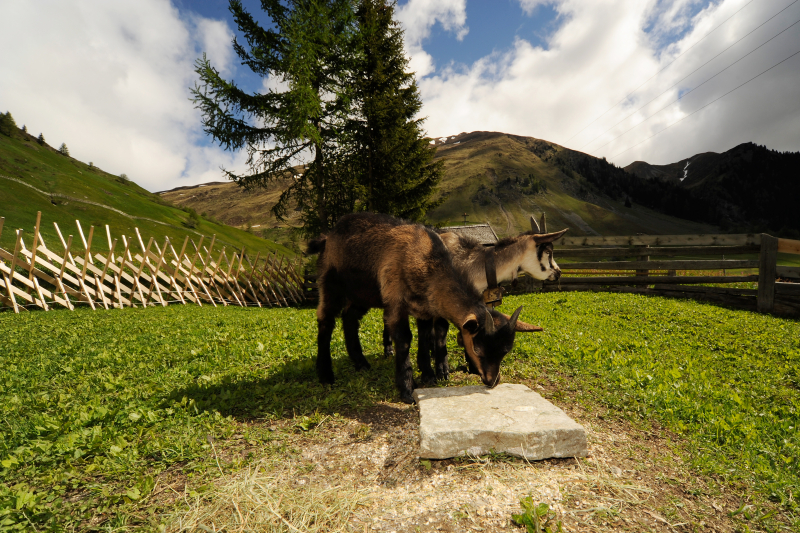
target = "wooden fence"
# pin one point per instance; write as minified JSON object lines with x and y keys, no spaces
{"x":655,"y":264}
{"x":131,"y":274}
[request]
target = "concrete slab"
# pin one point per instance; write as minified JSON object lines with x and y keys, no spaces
{"x":509,"y":418}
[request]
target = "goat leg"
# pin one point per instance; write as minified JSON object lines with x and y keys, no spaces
{"x":324,"y":364}
{"x":330,"y":303}
{"x":404,"y":377}
{"x":440,"y":327}
{"x":388,"y":350}
{"x":424,"y":346}
{"x":351,"y":318}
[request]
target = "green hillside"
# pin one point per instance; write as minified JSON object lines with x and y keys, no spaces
{"x":503,"y":179}
{"x":494,"y":177}
{"x":35,"y":177}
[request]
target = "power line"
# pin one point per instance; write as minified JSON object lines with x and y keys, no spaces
{"x":693,"y":88}
{"x":708,"y":104}
{"x":660,"y":71}
{"x":692,"y":72}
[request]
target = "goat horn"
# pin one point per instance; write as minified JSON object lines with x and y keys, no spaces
{"x":535,"y":226}
{"x":489,"y":323}
{"x":512,"y":322}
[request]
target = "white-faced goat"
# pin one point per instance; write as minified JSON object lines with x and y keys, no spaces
{"x":377,"y":261}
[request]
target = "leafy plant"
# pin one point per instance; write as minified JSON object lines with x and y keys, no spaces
{"x":537,"y":517}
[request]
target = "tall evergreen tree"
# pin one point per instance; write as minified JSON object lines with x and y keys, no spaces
{"x":395,"y":163}
{"x":63,"y":149}
{"x":305,"y":55}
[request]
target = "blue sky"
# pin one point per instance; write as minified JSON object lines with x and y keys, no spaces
{"x":493,"y":26}
{"x":112,"y":79}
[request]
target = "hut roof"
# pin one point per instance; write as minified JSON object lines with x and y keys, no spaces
{"x":483,"y":233}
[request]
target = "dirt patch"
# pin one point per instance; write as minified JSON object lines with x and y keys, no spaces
{"x":634,"y":480}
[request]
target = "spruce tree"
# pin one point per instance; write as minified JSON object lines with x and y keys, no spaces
{"x":307,"y":50}
{"x":8,"y":126}
{"x":40,"y":139}
{"x":394,"y":160}
{"x":63,"y":149}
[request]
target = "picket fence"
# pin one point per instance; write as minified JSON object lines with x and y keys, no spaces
{"x":41,"y":278}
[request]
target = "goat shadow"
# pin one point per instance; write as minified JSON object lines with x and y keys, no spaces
{"x":290,"y":390}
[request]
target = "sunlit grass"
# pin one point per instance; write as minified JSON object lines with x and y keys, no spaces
{"x":97,"y":406}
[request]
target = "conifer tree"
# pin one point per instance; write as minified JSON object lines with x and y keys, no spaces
{"x":304,"y":55}
{"x":394,"y":159}
{"x":41,"y":139}
{"x":7,"y":124}
{"x":63,"y":149}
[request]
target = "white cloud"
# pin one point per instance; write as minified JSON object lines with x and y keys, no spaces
{"x":418,"y":17}
{"x":601,"y":53}
{"x":111,"y":80}
{"x":529,"y":6}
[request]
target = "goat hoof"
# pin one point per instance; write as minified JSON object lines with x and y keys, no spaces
{"x":388,"y":352}
{"x":443,"y":376}
{"x":427,"y":381}
{"x":406,"y":397}
{"x":326,"y":378}
{"x":363,"y":366}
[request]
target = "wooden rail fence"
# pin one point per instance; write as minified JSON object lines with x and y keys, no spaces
{"x":641,"y":264}
{"x":151,"y":275}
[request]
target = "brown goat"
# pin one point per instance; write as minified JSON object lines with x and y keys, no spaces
{"x":377,"y":261}
{"x":530,"y":252}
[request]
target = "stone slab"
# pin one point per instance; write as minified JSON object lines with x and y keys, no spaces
{"x":510,"y":418}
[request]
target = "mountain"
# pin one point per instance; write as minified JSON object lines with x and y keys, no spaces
{"x":35,"y":177}
{"x":747,"y":188}
{"x":491,"y":176}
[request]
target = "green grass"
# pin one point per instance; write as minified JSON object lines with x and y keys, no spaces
{"x":98,"y":407}
{"x":53,"y":173}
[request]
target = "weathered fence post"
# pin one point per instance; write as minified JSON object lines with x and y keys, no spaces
{"x":767,"y":270}
{"x":643,"y":272}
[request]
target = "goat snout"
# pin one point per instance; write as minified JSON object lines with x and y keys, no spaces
{"x":490,"y":381}
{"x":556,"y":274}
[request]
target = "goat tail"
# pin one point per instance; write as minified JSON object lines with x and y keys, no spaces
{"x":317,"y":246}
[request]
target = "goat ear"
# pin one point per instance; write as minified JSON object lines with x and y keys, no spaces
{"x":549,"y":237}
{"x":470,"y":324}
{"x":535,"y":226}
{"x":521,"y":327}
{"x":524,"y":327}
{"x":543,"y":223}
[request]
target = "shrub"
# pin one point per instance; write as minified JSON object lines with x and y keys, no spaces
{"x":192,"y":219}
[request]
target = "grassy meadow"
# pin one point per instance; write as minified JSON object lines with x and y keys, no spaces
{"x":101,"y":409}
